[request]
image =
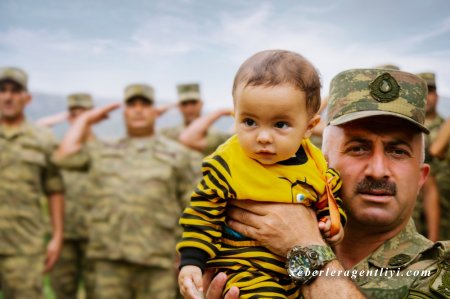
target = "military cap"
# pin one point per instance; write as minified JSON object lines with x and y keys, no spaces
{"x":361,"y":93}
{"x":14,"y":74}
{"x":83,"y":100}
{"x":139,"y":90}
{"x":388,"y":66}
{"x":430,"y":78}
{"x":188,"y":92}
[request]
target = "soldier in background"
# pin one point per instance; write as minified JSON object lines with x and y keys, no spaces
{"x":26,"y":174}
{"x":440,"y":169}
{"x":190,"y":105}
{"x":142,"y":184}
{"x":73,"y":267}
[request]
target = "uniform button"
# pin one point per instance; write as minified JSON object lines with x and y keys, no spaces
{"x":399,"y":260}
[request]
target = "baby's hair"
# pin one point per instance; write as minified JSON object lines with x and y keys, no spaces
{"x":277,"y":67}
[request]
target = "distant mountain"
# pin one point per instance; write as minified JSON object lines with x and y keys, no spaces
{"x":44,"y":104}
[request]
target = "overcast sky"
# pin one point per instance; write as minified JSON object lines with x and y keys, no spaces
{"x":101,"y":46}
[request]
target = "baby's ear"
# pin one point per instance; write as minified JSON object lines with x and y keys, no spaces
{"x":311,"y":124}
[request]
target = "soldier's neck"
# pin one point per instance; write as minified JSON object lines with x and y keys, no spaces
{"x":359,"y":243}
{"x":12,"y":122}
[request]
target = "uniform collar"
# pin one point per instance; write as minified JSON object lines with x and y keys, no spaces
{"x":399,"y":251}
{"x":12,"y":133}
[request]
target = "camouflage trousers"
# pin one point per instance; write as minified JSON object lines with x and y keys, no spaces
{"x":21,"y":276}
{"x":71,"y":269}
{"x":125,"y":280}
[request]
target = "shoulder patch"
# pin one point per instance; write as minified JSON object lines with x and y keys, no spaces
{"x":441,"y":283}
{"x":388,"y":293}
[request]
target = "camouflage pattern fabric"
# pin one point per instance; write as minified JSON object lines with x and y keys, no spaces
{"x":14,"y":74}
{"x":438,"y":169}
{"x":141,"y":187}
{"x":139,"y":90}
{"x":361,"y":93}
{"x":188,"y":92}
{"x":21,"y":276}
{"x":124,"y":280}
{"x":78,"y":201}
{"x":71,"y":269}
{"x":26,"y":173}
{"x":407,"y":251}
{"x":83,"y":100}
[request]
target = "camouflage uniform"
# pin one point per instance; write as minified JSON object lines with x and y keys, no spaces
{"x":72,"y":266}
{"x":141,"y":187}
{"x":408,"y":251}
{"x":439,"y":169}
{"x":25,"y":174}
{"x":357,"y":94}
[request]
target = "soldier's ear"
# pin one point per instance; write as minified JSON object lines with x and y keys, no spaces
{"x":28,"y":98}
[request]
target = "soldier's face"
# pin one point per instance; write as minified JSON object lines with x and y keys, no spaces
{"x":140,"y":117}
{"x":75,"y":112}
{"x":190,"y":110}
{"x":380,"y":161}
{"x":13,"y":99}
{"x":432,"y":98}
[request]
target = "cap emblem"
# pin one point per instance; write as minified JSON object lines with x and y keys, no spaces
{"x":384,"y":88}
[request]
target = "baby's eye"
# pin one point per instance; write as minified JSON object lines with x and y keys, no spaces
{"x":281,"y":125}
{"x":249,"y":122}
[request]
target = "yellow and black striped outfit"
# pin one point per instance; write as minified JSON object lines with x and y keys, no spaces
{"x":229,"y":173}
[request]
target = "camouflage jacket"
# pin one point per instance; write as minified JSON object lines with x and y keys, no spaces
{"x":213,"y":139}
{"x":406,"y":266}
{"x":141,"y":186}
{"x":78,"y":201}
{"x":26,"y":174}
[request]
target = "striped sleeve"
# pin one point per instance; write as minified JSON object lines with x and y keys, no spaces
{"x":202,"y":220}
{"x":334,"y":179}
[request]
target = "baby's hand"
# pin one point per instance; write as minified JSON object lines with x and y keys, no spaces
{"x":191,"y":283}
{"x":325,"y":227}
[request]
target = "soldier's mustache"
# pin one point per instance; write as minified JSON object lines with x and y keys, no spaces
{"x":383,"y":186}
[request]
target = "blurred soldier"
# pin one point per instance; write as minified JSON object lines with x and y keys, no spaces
{"x":439,"y":168}
{"x":388,"y":66}
{"x":26,"y":174}
{"x":190,"y":105}
{"x":72,"y":266}
{"x":142,"y":183}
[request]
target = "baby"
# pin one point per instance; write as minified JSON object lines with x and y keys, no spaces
{"x":276,"y":95}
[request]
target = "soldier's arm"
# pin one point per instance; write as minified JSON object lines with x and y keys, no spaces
{"x":50,"y":121}
{"x":53,"y":187}
{"x":194,"y":136}
{"x":56,"y":209}
{"x":79,"y":131}
{"x":440,"y":144}
{"x":432,"y":208}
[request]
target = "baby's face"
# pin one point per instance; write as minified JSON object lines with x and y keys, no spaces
{"x":271,"y":122}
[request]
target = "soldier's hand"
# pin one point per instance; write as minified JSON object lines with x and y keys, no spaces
{"x":160,"y":110}
{"x":53,"y":252}
{"x":98,"y":114}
